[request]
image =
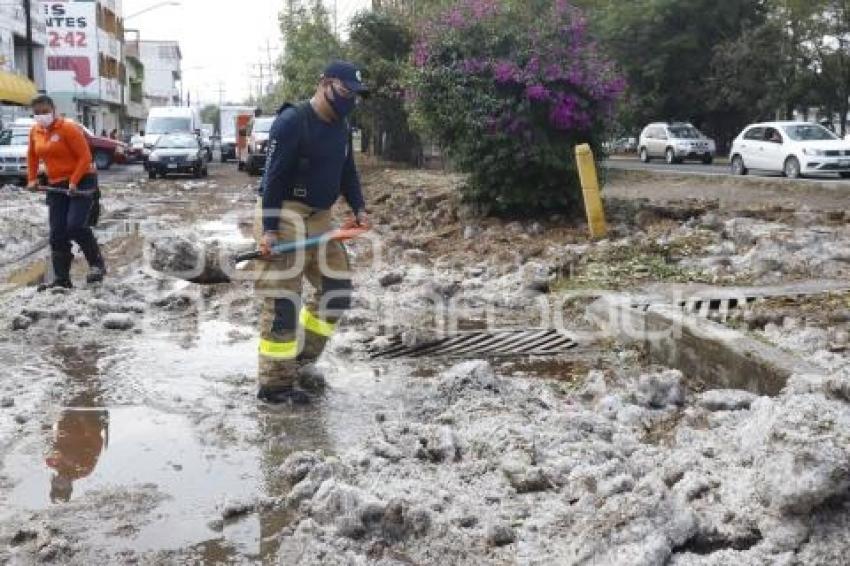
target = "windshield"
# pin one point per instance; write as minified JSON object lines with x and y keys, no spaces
{"x":168,"y":125}
{"x":685,"y":132}
{"x":263,"y":125}
{"x":177,"y":142}
{"x":14,"y":137}
{"x":809,"y":132}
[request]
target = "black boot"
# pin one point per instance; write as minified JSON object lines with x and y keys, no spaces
{"x":91,"y":250}
{"x":96,"y":273}
{"x":285,"y":395}
{"x":61,"y":271}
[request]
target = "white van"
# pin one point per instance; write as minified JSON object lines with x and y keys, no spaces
{"x":171,"y":120}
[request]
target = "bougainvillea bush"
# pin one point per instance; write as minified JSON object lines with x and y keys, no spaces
{"x":509,"y":89}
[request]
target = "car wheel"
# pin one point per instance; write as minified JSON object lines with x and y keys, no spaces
{"x":792,"y":168}
{"x":844,"y":174}
{"x":670,"y":157}
{"x":152,"y":175}
{"x":205,"y":172}
{"x":644,"y":155}
{"x":738,"y":167}
{"x":102,"y":160}
{"x":223,"y":159}
{"x":708,"y":159}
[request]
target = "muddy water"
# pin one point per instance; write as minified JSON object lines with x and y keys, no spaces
{"x":176,"y":409}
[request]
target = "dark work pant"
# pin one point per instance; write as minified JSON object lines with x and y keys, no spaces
{"x":69,"y":222}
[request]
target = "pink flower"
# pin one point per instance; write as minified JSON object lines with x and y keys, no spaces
{"x":505,"y":72}
{"x":537,"y":93}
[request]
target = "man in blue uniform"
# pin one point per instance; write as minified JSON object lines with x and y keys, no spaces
{"x":310,"y":165}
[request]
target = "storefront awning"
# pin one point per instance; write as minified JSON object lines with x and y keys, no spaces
{"x":15,"y":89}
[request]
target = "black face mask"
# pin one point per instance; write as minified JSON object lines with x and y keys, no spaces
{"x":342,"y":106}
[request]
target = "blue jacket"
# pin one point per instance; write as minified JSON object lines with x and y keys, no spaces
{"x":316,"y":170}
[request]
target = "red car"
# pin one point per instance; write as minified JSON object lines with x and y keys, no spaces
{"x":105,"y":151}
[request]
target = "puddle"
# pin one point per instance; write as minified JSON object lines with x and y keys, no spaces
{"x":192,"y":428}
{"x":92,"y":449}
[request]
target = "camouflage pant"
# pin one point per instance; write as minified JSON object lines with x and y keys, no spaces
{"x":290,"y":331}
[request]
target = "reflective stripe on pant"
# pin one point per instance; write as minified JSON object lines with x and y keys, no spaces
{"x":279,"y":283}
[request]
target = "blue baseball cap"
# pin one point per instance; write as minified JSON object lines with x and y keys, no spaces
{"x":349,"y":74}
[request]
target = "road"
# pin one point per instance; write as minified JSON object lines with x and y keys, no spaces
{"x":721,"y":168}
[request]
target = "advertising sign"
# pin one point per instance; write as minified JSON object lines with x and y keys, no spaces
{"x":72,"y":55}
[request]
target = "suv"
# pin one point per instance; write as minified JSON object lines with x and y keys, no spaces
{"x":675,"y":142}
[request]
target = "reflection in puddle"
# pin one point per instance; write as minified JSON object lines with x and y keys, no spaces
{"x":133,"y":446}
{"x":79,"y":437}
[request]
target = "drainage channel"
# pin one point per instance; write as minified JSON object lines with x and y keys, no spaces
{"x":534,"y":342}
{"x":718,"y":304}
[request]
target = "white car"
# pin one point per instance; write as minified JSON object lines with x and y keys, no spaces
{"x":14,"y":145}
{"x":793,"y":148}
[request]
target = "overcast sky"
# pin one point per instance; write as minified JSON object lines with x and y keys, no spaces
{"x":223,"y":41}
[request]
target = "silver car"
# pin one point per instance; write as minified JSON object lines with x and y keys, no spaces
{"x":675,"y":142}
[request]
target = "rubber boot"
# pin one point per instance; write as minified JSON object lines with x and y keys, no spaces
{"x":91,"y":250}
{"x":61,"y":271}
{"x":310,"y":378}
{"x":278,"y":383}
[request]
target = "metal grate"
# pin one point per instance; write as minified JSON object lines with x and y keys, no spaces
{"x":721,"y":302}
{"x":499,"y":343}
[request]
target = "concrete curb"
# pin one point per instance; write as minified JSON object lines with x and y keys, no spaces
{"x":701,"y":349}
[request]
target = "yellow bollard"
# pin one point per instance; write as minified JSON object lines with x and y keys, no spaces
{"x":590,"y":189}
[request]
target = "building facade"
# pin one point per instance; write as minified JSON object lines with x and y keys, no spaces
{"x":135,"y":109}
{"x":85,"y":67}
{"x":162,"y":61}
{"x":13,"y":50}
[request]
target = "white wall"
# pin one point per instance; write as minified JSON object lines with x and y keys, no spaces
{"x":161,"y":61}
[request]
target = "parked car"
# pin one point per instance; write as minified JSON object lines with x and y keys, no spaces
{"x":675,"y":142}
{"x":136,"y":149}
{"x":793,"y":148}
{"x":105,"y":151}
{"x":14,"y":144}
{"x":621,"y":145}
{"x":177,"y":153}
{"x":257,"y":147}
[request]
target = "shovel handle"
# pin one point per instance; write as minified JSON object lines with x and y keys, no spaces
{"x":288,"y":247}
{"x":59,"y":191}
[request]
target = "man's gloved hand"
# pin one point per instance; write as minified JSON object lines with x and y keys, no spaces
{"x":362,"y":219}
{"x":267,"y":243}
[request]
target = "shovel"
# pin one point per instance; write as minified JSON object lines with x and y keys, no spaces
{"x":60,"y":191}
{"x":180,"y":258}
{"x":340,"y":235}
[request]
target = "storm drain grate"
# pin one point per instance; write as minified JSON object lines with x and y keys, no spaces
{"x":500,"y":343}
{"x":719,"y":306}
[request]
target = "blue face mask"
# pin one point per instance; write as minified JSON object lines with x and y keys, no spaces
{"x":342,"y":106}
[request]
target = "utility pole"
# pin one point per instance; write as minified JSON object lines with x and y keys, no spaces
{"x":221,"y":91}
{"x":28,"y":19}
{"x":269,"y":55}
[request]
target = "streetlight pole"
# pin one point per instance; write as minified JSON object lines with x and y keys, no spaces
{"x":28,"y":19}
{"x":149,"y":8}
